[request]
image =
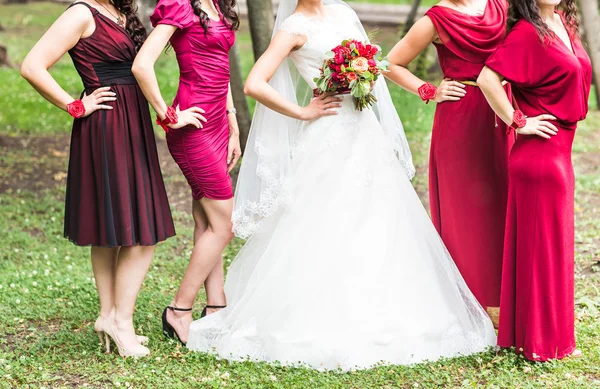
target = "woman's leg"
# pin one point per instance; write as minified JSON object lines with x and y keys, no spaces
{"x":104,"y":265}
{"x":207,"y":253}
{"x":214,"y":284}
{"x":132,"y":266}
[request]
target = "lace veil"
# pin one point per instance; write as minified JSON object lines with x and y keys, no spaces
{"x":264,"y":181}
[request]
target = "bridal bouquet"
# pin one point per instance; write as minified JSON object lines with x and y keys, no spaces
{"x":352,"y":67}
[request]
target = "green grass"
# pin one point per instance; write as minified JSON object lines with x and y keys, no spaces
{"x":47,"y":295}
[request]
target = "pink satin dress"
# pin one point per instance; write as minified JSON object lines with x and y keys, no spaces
{"x":203,"y":82}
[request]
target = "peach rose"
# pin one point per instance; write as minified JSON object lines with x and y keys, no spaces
{"x":360,"y":64}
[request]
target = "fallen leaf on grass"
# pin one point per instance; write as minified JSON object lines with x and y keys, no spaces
{"x":60,"y":176}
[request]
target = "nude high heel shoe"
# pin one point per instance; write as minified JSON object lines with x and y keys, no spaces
{"x":110,"y":333}
{"x":143,"y":340}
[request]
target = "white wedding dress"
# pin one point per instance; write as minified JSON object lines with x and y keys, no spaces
{"x":350,"y":272}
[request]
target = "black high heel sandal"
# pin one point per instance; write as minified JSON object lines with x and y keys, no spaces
{"x":168,"y":329}
{"x":211,"y":307}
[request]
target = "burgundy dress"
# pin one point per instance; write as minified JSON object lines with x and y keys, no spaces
{"x":537,"y":307}
{"x":115,"y":190}
{"x":203,"y":82}
{"x":468,"y":167}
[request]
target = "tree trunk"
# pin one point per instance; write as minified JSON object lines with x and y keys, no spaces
{"x":260,"y":15}
{"x":239,"y":98}
{"x":412,"y":16}
{"x":591,"y":29}
{"x":4,"y":60}
{"x":145,"y":9}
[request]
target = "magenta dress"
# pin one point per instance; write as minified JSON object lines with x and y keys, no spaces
{"x":115,"y":190}
{"x":203,"y":82}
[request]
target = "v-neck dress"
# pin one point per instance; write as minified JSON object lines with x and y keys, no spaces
{"x":537,"y":311}
{"x":468,"y":166}
{"x":203,"y":59}
{"x":115,"y":190}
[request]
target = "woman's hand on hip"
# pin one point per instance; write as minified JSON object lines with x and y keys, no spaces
{"x":539,"y":126}
{"x":449,"y":90}
{"x":96,"y":100}
{"x":190,"y":117}
{"x":323,"y":105}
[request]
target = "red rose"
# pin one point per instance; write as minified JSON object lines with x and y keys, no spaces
{"x":351,"y":76}
{"x":76,"y":109}
{"x":372,"y":63}
{"x":427,"y":92}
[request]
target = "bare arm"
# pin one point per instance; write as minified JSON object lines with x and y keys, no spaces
{"x":492,"y":87}
{"x":234,"y":150}
{"x":143,"y":66}
{"x":257,"y":84}
{"x":421,"y":35}
{"x":143,"y":70}
{"x":75,"y":23}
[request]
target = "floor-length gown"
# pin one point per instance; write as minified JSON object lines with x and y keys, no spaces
{"x":537,"y":310}
{"x":115,"y":190}
{"x":468,"y":167}
{"x":351,"y":272}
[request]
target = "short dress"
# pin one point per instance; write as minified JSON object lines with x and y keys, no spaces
{"x":203,"y":59}
{"x":115,"y":190}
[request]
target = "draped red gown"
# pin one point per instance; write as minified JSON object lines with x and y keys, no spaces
{"x":469,"y":152}
{"x":537,"y":311}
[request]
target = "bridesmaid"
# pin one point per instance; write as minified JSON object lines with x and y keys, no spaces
{"x":116,"y":200}
{"x":202,"y":134}
{"x":551,"y":75}
{"x":469,"y":146}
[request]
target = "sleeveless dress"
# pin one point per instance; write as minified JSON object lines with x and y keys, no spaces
{"x":350,"y":271}
{"x":115,"y":191}
{"x":537,"y":311}
{"x":203,"y":59}
{"x":468,"y":167}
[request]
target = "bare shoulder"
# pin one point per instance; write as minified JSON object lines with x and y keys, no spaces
{"x":289,"y":39}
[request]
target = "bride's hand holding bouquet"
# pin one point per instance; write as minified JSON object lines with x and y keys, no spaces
{"x":353,"y":67}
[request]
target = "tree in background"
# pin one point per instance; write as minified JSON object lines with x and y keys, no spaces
{"x":591,"y":32}
{"x":260,"y":15}
{"x":145,"y":8}
{"x":239,"y":98}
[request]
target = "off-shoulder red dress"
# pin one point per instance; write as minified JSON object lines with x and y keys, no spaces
{"x":537,"y":307}
{"x":468,"y":167}
{"x":115,"y":190}
{"x":203,"y":82}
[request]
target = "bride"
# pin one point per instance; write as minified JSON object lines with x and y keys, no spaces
{"x":343,"y":267}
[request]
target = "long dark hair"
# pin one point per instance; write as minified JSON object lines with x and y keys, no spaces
{"x":227,"y":8}
{"x":529,"y":10}
{"x":135,"y":28}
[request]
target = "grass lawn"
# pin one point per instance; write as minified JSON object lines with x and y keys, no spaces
{"x":47,"y":295}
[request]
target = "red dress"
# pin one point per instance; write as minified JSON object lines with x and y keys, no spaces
{"x":115,"y":190}
{"x":203,"y":82}
{"x":537,"y":305}
{"x":468,"y":167}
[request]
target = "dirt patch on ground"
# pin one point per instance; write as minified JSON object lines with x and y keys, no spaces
{"x":41,"y":162}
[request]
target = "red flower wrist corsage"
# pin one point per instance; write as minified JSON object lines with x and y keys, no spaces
{"x":170,"y":118}
{"x":76,"y":109}
{"x":519,"y":121}
{"x":427,"y":92}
